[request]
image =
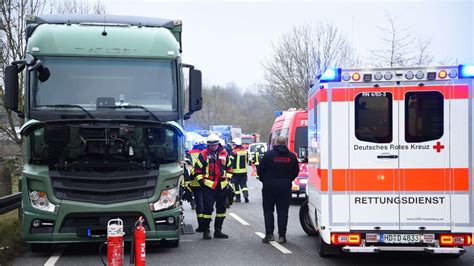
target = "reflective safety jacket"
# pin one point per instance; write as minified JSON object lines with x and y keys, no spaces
{"x":212,"y":168}
{"x":256,"y":158}
{"x":239,"y":160}
{"x":193,"y":155}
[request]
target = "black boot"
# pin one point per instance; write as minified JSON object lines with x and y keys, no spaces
{"x":218,"y":228}
{"x":246,"y":196}
{"x":237,"y":199}
{"x":219,"y":234}
{"x":282,"y":239}
{"x":268,"y":237}
{"x":199,"y":228}
{"x":206,"y":235}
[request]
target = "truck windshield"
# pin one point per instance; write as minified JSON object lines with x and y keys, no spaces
{"x":96,"y":82}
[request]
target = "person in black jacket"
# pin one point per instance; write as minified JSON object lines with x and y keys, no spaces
{"x":278,"y":168}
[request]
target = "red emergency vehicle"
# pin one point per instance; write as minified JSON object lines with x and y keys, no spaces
{"x":293,"y":125}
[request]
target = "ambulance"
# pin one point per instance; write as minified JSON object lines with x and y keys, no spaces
{"x":391,"y":154}
{"x":293,"y":125}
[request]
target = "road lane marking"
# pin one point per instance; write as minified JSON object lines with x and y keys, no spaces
{"x":240,"y":220}
{"x":275,"y":244}
{"x":53,"y":259}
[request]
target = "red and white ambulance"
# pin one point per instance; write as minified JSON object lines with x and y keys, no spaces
{"x":293,"y":125}
{"x":391,"y":156}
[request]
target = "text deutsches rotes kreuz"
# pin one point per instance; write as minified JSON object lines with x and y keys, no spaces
{"x":391,"y":147}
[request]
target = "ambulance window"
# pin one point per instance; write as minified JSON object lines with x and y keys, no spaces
{"x":373,"y":117}
{"x":424,"y":112}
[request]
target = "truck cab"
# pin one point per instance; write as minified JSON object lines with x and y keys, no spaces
{"x":103,"y":138}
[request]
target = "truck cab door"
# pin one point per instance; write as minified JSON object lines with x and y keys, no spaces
{"x":425,"y":172}
{"x":373,"y":174}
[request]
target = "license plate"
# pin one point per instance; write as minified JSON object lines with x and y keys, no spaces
{"x":400,"y":238}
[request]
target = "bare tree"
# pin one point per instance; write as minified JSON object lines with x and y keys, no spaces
{"x":13,"y":15}
{"x":400,"y":48}
{"x":299,"y":56}
{"x":229,"y":106}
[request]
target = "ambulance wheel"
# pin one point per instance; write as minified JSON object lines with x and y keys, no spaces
{"x":305,"y":220}
{"x":326,"y":250}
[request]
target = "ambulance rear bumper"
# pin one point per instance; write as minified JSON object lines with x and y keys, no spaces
{"x":433,"y":250}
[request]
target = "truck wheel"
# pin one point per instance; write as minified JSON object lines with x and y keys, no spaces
{"x":40,"y":248}
{"x":305,"y":220}
{"x":170,"y":243}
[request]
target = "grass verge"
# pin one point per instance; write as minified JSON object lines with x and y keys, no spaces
{"x":11,"y":244}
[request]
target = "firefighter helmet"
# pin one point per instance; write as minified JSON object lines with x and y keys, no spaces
{"x":238,"y":141}
{"x":213,"y":139}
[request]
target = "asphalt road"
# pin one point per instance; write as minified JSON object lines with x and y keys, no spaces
{"x":244,"y":247}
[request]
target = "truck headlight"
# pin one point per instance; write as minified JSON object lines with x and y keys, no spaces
{"x":39,"y":200}
{"x":168,"y":198}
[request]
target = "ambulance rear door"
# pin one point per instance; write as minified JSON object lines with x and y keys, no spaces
{"x":373,"y":181}
{"x":428,"y":176}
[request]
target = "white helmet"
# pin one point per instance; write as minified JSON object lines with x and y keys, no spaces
{"x":212,"y":139}
{"x":237,"y":141}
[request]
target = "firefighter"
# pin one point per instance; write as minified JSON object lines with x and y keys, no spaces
{"x":278,"y":168}
{"x":259,"y":152}
{"x":192,"y":155}
{"x":213,"y":171}
{"x":239,"y":161}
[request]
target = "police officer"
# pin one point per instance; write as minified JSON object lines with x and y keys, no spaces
{"x":278,"y":168}
{"x":239,"y":160}
{"x":213,"y":170}
{"x":192,"y":156}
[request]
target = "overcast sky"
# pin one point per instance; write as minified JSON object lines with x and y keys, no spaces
{"x":229,"y":40}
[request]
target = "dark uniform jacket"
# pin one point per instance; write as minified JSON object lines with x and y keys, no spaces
{"x":279,"y":163}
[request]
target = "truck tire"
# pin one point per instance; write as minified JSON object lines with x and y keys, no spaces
{"x":305,"y":220}
{"x":40,"y":248}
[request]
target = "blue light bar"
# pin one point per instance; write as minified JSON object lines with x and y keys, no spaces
{"x":331,"y":75}
{"x":278,"y":113}
{"x":466,"y":71}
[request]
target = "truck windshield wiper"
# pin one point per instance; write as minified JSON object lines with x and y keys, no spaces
{"x":69,"y":106}
{"x":134,"y":107}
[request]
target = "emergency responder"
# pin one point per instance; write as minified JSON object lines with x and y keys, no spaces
{"x":239,"y":160}
{"x":277,"y":170}
{"x":213,"y":171}
{"x":257,"y":157}
{"x":192,"y":155}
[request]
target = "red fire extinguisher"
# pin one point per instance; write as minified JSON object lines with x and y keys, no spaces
{"x":139,"y":236}
{"x":115,"y":242}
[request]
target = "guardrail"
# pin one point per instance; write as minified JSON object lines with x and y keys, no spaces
{"x":9,"y":203}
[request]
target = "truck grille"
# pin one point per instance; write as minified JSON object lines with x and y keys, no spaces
{"x":104,"y":187}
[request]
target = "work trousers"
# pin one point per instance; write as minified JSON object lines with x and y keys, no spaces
{"x":197,"y":191}
{"x":239,"y":181}
{"x":276,"y":191}
{"x":210,"y":197}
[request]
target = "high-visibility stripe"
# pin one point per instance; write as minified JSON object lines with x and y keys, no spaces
{"x":429,"y":179}
{"x":456,"y":91}
{"x":237,"y":192}
{"x":198,"y":162}
{"x":220,"y":215}
{"x":200,"y":215}
{"x":207,"y":216}
{"x":245,"y":189}
{"x":209,"y":183}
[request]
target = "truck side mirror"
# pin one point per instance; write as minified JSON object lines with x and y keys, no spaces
{"x":303,"y":154}
{"x":11,"y":88}
{"x":195,"y":90}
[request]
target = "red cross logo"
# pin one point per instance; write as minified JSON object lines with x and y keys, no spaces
{"x":438,"y":147}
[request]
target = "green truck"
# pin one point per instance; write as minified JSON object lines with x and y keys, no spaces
{"x":104,"y":104}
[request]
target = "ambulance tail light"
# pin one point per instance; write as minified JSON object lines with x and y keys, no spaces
{"x":466,"y":71}
{"x":346,"y":239}
{"x":450,"y":240}
{"x":331,"y":75}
